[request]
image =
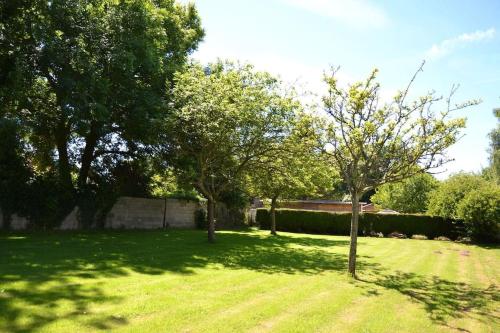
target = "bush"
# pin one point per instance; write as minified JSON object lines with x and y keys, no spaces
{"x":321,"y":222}
{"x":412,"y":224}
{"x":315,"y":222}
{"x":480,"y":210}
{"x":445,"y":199}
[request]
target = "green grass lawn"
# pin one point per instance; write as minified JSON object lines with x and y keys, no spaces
{"x":174,"y":281}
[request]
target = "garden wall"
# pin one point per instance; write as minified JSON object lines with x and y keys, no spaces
{"x":133,"y":213}
{"x":16,"y":222}
{"x":141,"y":213}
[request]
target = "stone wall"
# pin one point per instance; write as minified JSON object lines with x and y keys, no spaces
{"x":16,"y":222}
{"x":133,"y":213}
{"x":141,"y":213}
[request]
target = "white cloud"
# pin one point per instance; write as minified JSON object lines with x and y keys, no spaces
{"x":360,"y":13}
{"x":449,"y":45}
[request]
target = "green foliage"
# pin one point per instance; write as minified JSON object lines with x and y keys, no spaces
{"x":14,"y":170}
{"x":444,"y":200}
{"x":373,"y":144}
{"x":164,"y":184}
{"x":93,"y":76}
{"x":127,"y":178}
{"x":88,"y":83}
{"x":321,"y":222}
{"x":47,"y":201}
{"x":413,"y":224}
{"x":306,"y":221}
{"x":295,"y":168}
{"x":408,"y":196}
{"x":493,"y":171}
{"x":227,"y":115}
{"x":480,"y":210}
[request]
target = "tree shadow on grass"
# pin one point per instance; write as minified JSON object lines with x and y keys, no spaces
{"x":37,"y":306}
{"x":58,"y":268}
{"x":443,"y":300}
{"x":50,"y":269}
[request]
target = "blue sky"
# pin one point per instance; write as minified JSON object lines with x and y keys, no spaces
{"x":298,"y":39}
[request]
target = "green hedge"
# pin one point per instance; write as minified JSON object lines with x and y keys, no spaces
{"x":321,"y":222}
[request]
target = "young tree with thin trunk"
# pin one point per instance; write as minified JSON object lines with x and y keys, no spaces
{"x":226,"y":116}
{"x":296,"y":169}
{"x":373,"y":143}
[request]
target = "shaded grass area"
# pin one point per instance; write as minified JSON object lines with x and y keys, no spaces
{"x":248,"y":281}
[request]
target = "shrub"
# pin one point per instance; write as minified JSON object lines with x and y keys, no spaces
{"x":411,"y":224}
{"x":315,"y":222}
{"x":321,"y":222}
{"x":480,"y":210}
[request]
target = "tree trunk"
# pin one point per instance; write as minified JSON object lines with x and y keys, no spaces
{"x":64,"y":168}
{"x":273,"y":215}
{"x":87,"y":156}
{"x":354,"y":234}
{"x":211,"y":220}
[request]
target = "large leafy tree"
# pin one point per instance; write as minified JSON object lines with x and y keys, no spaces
{"x":227,"y":116}
{"x":445,"y":199}
{"x":373,"y":143}
{"x":408,"y":196}
{"x":94,"y":73}
{"x":295,"y":169}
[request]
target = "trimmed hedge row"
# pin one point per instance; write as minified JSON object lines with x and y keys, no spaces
{"x":322,"y":222}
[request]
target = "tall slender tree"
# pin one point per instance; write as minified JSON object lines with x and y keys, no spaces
{"x":373,"y":143}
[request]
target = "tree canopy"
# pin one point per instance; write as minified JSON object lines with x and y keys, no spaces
{"x":296,"y":168}
{"x":88,"y":84}
{"x":408,"y":196}
{"x":227,"y":115}
{"x":373,"y":143}
{"x":94,"y":73}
